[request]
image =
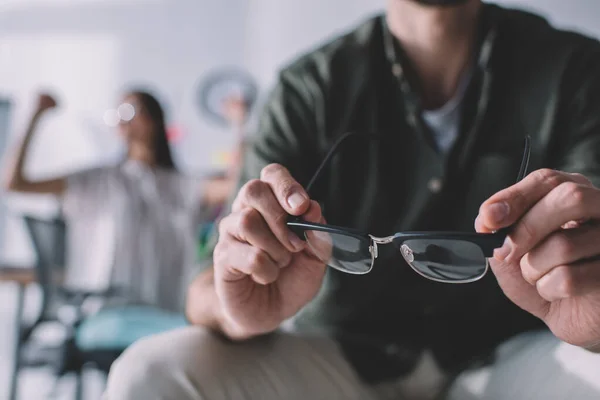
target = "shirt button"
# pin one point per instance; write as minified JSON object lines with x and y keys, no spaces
{"x":392,"y":350}
{"x":397,"y":70}
{"x":412,"y":119}
{"x":434,"y":185}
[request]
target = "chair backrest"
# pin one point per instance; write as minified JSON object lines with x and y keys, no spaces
{"x":49,"y":239}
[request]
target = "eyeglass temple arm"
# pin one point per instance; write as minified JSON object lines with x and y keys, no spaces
{"x":342,"y":138}
{"x":325,"y":162}
{"x":522,"y":170}
{"x":525,"y":159}
{"x":522,"y":173}
{"x":330,"y":154}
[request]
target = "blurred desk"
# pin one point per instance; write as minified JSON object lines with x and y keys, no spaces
{"x":21,"y":275}
{"x":24,"y":275}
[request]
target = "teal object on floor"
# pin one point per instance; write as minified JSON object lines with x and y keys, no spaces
{"x":117,"y":328}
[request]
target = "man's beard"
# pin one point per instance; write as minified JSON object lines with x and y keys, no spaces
{"x":440,"y":2}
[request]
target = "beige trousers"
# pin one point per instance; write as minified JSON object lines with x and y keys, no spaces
{"x":193,"y":364}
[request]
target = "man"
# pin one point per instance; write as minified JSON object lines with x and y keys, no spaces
{"x":451,"y":88}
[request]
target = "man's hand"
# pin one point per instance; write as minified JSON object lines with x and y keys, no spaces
{"x":263,"y":272}
{"x":550,"y":262}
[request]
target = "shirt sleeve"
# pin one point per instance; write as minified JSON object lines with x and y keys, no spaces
{"x":578,"y":146}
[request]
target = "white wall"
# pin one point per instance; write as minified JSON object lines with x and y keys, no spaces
{"x":579,"y":15}
{"x":90,"y":49}
{"x":278,"y":30}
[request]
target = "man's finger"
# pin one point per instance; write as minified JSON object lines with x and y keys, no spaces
{"x":570,"y":281}
{"x":517,"y":289}
{"x":314,"y":214}
{"x":289,"y":193}
{"x":259,"y":196}
{"x":564,"y":247}
{"x":237,"y":260}
{"x":249,"y":226}
{"x":567,"y":202}
{"x":509,"y":205}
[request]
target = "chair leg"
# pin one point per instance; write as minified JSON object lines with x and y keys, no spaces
{"x":54,"y":391}
{"x":79,"y":384}
{"x":14,"y":382}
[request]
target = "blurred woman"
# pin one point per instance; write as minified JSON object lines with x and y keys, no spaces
{"x":135,"y":222}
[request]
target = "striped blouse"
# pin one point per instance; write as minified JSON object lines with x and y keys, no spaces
{"x":134,"y":226}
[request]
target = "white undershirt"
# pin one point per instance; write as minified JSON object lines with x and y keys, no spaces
{"x":444,"y":123}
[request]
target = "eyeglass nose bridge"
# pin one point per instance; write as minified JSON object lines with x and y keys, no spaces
{"x":374,"y":249}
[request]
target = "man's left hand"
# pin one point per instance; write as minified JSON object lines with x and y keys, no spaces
{"x":550,"y":262}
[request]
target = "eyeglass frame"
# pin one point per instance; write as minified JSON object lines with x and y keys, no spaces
{"x":487,"y":242}
{"x":113,"y":117}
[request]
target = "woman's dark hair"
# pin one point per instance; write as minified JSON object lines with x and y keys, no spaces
{"x":162,"y":149}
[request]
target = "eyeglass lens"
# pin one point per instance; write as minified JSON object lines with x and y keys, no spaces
{"x":446,"y":260}
{"x":345,"y":253}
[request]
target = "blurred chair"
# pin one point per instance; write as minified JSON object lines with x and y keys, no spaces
{"x":93,"y":339}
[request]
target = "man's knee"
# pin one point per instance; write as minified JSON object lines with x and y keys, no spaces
{"x":193,"y":363}
{"x":162,"y":366}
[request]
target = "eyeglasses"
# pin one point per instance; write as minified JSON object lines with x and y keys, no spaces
{"x":121,"y":115}
{"x":447,"y":257}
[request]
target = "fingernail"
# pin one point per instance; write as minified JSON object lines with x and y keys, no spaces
{"x":295,"y":200}
{"x":498,"y":211}
{"x":477,"y":221}
{"x":296,"y":242}
{"x":503,"y":252}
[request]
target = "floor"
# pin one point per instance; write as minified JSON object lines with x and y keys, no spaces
{"x":34,"y":384}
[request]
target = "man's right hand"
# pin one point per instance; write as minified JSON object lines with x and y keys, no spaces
{"x":264,"y":274}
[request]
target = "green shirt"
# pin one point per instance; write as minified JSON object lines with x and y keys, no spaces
{"x":529,"y":79}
